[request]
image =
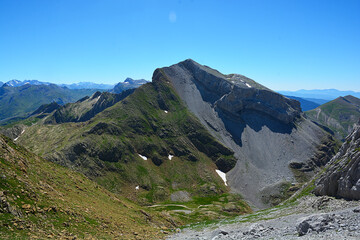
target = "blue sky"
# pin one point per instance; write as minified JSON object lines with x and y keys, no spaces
{"x":284,"y":45}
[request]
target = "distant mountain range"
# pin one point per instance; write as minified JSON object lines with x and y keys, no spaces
{"x":19,"y":98}
{"x":305,"y":103}
{"x":325,"y":94}
{"x":18,"y":83}
{"x":88,"y":85}
{"x":127,"y":84}
{"x":22,"y":100}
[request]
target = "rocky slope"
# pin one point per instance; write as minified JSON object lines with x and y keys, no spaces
{"x":340,"y":115}
{"x":271,"y":140}
{"x":342,"y":177}
{"x":310,"y":218}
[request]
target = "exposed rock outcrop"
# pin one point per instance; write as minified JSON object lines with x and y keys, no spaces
{"x":342,"y":177}
{"x":265,"y":129}
{"x":13,"y":132}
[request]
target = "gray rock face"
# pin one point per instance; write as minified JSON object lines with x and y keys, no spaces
{"x":235,"y":93}
{"x":342,"y":178}
{"x":180,"y":196}
{"x":13,"y":132}
{"x":265,"y":130}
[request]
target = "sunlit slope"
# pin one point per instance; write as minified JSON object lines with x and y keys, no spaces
{"x":41,"y":199}
{"x":340,"y":115}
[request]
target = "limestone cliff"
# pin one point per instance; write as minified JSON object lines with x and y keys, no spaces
{"x":342,"y":178}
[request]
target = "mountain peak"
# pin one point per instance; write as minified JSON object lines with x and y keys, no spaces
{"x":129,"y":80}
{"x":255,"y":122}
{"x":233,"y":93}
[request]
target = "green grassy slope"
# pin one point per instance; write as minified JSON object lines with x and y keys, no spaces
{"x":87,"y":107}
{"x":40,"y":199}
{"x":339,"y":115}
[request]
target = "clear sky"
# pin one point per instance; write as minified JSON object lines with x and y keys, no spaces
{"x":284,"y":45}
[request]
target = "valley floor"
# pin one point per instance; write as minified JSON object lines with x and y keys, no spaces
{"x":309,"y":218}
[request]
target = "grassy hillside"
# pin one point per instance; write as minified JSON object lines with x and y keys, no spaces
{"x":20,"y":101}
{"x":41,"y":199}
{"x":339,"y":115}
{"x":152,"y":122}
{"x":86,"y":108}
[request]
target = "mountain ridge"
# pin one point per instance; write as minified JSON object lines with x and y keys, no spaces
{"x":340,"y":115}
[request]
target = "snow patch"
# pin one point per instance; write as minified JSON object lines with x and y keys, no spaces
{"x":248,"y":85}
{"x":165,"y":111}
{"x":137,"y":188}
{"x":143,"y":157}
{"x":222,"y":175}
{"x":19,"y":135}
{"x":170,"y":156}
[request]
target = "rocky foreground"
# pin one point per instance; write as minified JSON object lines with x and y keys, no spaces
{"x":312,"y":218}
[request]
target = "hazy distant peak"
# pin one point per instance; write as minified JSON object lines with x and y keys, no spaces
{"x":18,"y":83}
{"x":132,"y":81}
{"x":129,"y":83}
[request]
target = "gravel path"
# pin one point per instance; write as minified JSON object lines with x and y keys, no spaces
{"x":312,"y":218}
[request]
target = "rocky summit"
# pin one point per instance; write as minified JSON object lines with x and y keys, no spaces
{"x":273,"y":143}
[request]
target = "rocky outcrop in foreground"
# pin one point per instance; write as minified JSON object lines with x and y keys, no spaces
{"x":342,"y":178}
{"x":313,"y":218}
